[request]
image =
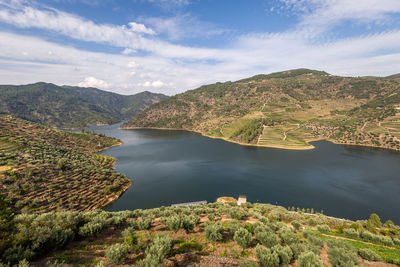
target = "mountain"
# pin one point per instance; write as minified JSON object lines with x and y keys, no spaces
{"x":68,"y":106}
{"x":44,"y":169}
{"x":286,"y":110}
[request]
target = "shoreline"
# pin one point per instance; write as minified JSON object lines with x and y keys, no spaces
{"x":266,"y":146}
{"x":223,"y":138}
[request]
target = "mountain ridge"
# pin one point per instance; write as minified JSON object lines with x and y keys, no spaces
{"x":71,"y":106}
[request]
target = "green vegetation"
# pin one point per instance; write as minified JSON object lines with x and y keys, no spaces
{"x":287,"y":110}
{"x":47,"y":170}
{"x":67,"y":106}
{"x":263,"y":236}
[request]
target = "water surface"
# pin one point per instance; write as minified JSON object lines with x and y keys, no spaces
{"x":169,"y":167}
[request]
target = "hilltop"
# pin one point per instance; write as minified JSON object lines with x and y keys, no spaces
{"x":43,"y":169}
{"x":69,"y":106}
{"x":215,"y":234}
{"x":286,"y":110}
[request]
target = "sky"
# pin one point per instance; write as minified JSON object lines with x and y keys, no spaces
{"x":170,"y":46}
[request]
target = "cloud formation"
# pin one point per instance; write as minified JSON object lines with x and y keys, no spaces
{"x":147,"y":61}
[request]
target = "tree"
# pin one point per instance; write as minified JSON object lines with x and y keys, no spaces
{"x":374,"y":222}
{"x":214,"y":231}
{"x":309,"y":259}
{"x":158,"y":250}
{"x":116,"y":253}
{"x":267,"y":257}
{"x":242,"y":237}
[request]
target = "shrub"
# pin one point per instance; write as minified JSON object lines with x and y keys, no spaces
{"x":130,"y":237}
{"x":309,"y":259}
{"x":288,"y":236}
{"x":366,"y":235}
{"x":158,"y":250}
{"x":116,"y":253}
{"x":315,"y":241}
{"x":323,"y":228}
{"x":174,"y":223}
{"x":236,"y":213}
{"x":296,"y":225}
{"x":91,"y":228}
{"x":396,"y":241}
{"x":214,"y":231}
{"x":267,"y":257}
{"x":351,"y":233}
{"x":242,"y":237}
{"x":268,"y":239}
{"x":369,"y":255}
{"x":341,"y":254}
{"x":211,"y":217}
{"x":234,"y":225}
{"x":298,"y":249}
{"x":189,"y":222}
{"x":284,"y":252}
{"x":144,"y":223}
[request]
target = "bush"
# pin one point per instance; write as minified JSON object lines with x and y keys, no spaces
{"x":298,"y":249}
{"x":396,"y":241}
{"x":234,"y":225}
{"x":351,"y":233}
{"x":288,"y":236}
{"x":341,"y":254}
{"x":130,"y":237}
{"x":236,"y":213}
{"x":248,"y":263}
{"x":369,"y":255}
{"x":116,"y":253}
{"x":144,"y":223}
{"x":242,"y":237}
{"x":268,"y":239}
{"x":158,"y":250}
{"x":285,"y":254}
{"x":323,"y":228}
{"x":189,"y":222}
{"x":366,"y":235}
{"x":174,"y":223}
{"x":267,"y":257}
{"x":296,"y":225}
{"x":309,"y":259}
{"x":214,"y":231}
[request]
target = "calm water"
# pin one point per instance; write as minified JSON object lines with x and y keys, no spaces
{"x":169,"y":167}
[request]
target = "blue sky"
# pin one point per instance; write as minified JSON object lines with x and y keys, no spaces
{"x":170,"y":46}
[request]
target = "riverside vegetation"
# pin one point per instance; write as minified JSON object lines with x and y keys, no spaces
{"x":216,"y":234}
{"x":286,"y":110}
{"x":71,"y":106}
{"x":42,"y":169}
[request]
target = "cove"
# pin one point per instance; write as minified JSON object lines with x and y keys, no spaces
{"x":168,"y":166}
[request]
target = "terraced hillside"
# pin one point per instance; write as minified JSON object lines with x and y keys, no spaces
{"x":286,"y":110}
{"x":69,"y":106}
{"x":42,"y":169}
{"x":215,"y":234}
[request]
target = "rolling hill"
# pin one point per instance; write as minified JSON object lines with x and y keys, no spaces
{"x":286,"y":110}
{"x":71,"y":107}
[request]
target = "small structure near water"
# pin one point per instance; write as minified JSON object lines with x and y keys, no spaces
{"x":241,"y":200}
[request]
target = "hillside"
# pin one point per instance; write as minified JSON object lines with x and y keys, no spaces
{"x":42,"y":169}
{"x":67,"y":106}
{"x":286,"y":110}
{"x":215,"y":234}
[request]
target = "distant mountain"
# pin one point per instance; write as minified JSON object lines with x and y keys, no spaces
{"x":286,"y":110}
{"x":69,"y":106}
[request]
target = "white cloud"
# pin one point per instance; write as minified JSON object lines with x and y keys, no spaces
{"x":184,"y":26}
{"x":93,"y":82}
{"x":155,"y":84}
{"x":140,"y":28}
